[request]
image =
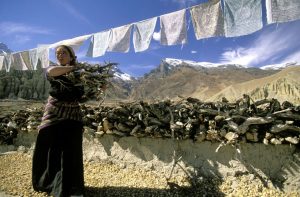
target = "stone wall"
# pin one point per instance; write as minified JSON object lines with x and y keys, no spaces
{"x":279,"y":164}
{"x":275,"y":164}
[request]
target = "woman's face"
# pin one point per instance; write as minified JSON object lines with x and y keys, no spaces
{"x":63,"y":56}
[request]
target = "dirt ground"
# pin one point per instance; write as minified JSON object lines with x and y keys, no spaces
{"x":8,"y":106}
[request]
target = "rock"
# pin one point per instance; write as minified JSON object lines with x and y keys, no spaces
{"x":123,"y":128}
{"x":21,"y":149}
{"x":95,"y":124}
{"x":150,"y":129}
{"x":212,"y":124}
{"x":119,"y":133}
{"x":292,"y":140}
{"x":100,"y":128}
{"x":252,"y":137}
{"x":223,"y":133}
{"x":12,"y":125}
{"x":289,"y":122}
{"x":212,"y":135}
{"x":275,"y":141}
{"x":135,"y":129}
{"x":231,"y":137}
{"x":200,"y":137}
{"x":219,"y":118}
{"x":107,"y":125}
{"x":233,"y":126}
{"x":268,"y":136}
{"x":109,"y":131}
{"x":99,"y":134}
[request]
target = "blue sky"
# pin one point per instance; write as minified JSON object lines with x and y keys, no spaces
{"x":26,"y":24}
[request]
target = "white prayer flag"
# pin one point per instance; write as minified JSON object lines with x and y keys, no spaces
{"x":2,"y":62}
{"x":279,"y":11}
{"x":26,"y":59}
{"x":17,"y":62}
{"x":173,"y":28}
{"x":142,"y":34}
{"x":120,"y":39}
{"x":242,"y":17}
{"x":43,"y":55}
{"x":208,"y":19}
{"x":75,"y":43}
{"x":33,"y":56}
{"x":99,"y":44}
{"x":8,"y":59}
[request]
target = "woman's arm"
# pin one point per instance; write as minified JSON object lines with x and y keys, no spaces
{"x":59,"y":70}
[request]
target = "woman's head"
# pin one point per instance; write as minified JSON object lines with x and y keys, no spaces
{"x":65,"y":55}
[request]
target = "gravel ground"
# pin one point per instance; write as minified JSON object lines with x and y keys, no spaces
{"x":107,"y":179}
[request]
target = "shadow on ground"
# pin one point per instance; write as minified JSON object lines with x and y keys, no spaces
{"x":199,"y":186}
{"x":201,"y":189}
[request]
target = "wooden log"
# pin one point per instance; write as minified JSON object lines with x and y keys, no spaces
{"x":243,"y":128}
{"x":284,"y":127}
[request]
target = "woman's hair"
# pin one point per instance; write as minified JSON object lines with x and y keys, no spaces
{"x":71,"y":52}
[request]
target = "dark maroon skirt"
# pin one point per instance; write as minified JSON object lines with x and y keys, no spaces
{"x":57,"y":164}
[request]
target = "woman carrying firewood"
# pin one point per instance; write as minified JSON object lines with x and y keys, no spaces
{"x":57,"y":165}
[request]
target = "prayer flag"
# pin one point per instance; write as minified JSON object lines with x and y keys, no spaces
{"x":142,"y":34}
{"x":208,"y":19}
{"x":279,"y":11}
{"x":242,"y":17}
{"x":173,"y":28}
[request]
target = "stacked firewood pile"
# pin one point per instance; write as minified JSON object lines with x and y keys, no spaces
{"x":266,"y":121}
{"x":20,"y":121}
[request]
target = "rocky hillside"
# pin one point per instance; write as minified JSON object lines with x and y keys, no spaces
{"x":173,"y":78}
{"x":284,"y":86}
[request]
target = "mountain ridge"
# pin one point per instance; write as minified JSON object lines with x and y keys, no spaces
{"x":171,"y":81}
{"x":284,"y":86}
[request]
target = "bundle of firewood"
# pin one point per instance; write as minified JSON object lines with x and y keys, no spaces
{"x":94,"y":79}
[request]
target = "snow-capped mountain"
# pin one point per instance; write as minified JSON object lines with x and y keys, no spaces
{"x":171,"y":62}
{"x":278,"y":66}
{"x":118,"y":74}
{"x":177,"y":62}
{"x":4,"y":49}
{"x":121,"y":85}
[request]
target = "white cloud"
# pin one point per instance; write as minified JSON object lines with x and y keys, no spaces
{"x":294,"y":57}
{"x":193,"y":52}
{"x":21,"y":39}
{"x":269,"y":46}
{"x":239,"y":56}
{"x":8,"y":28}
